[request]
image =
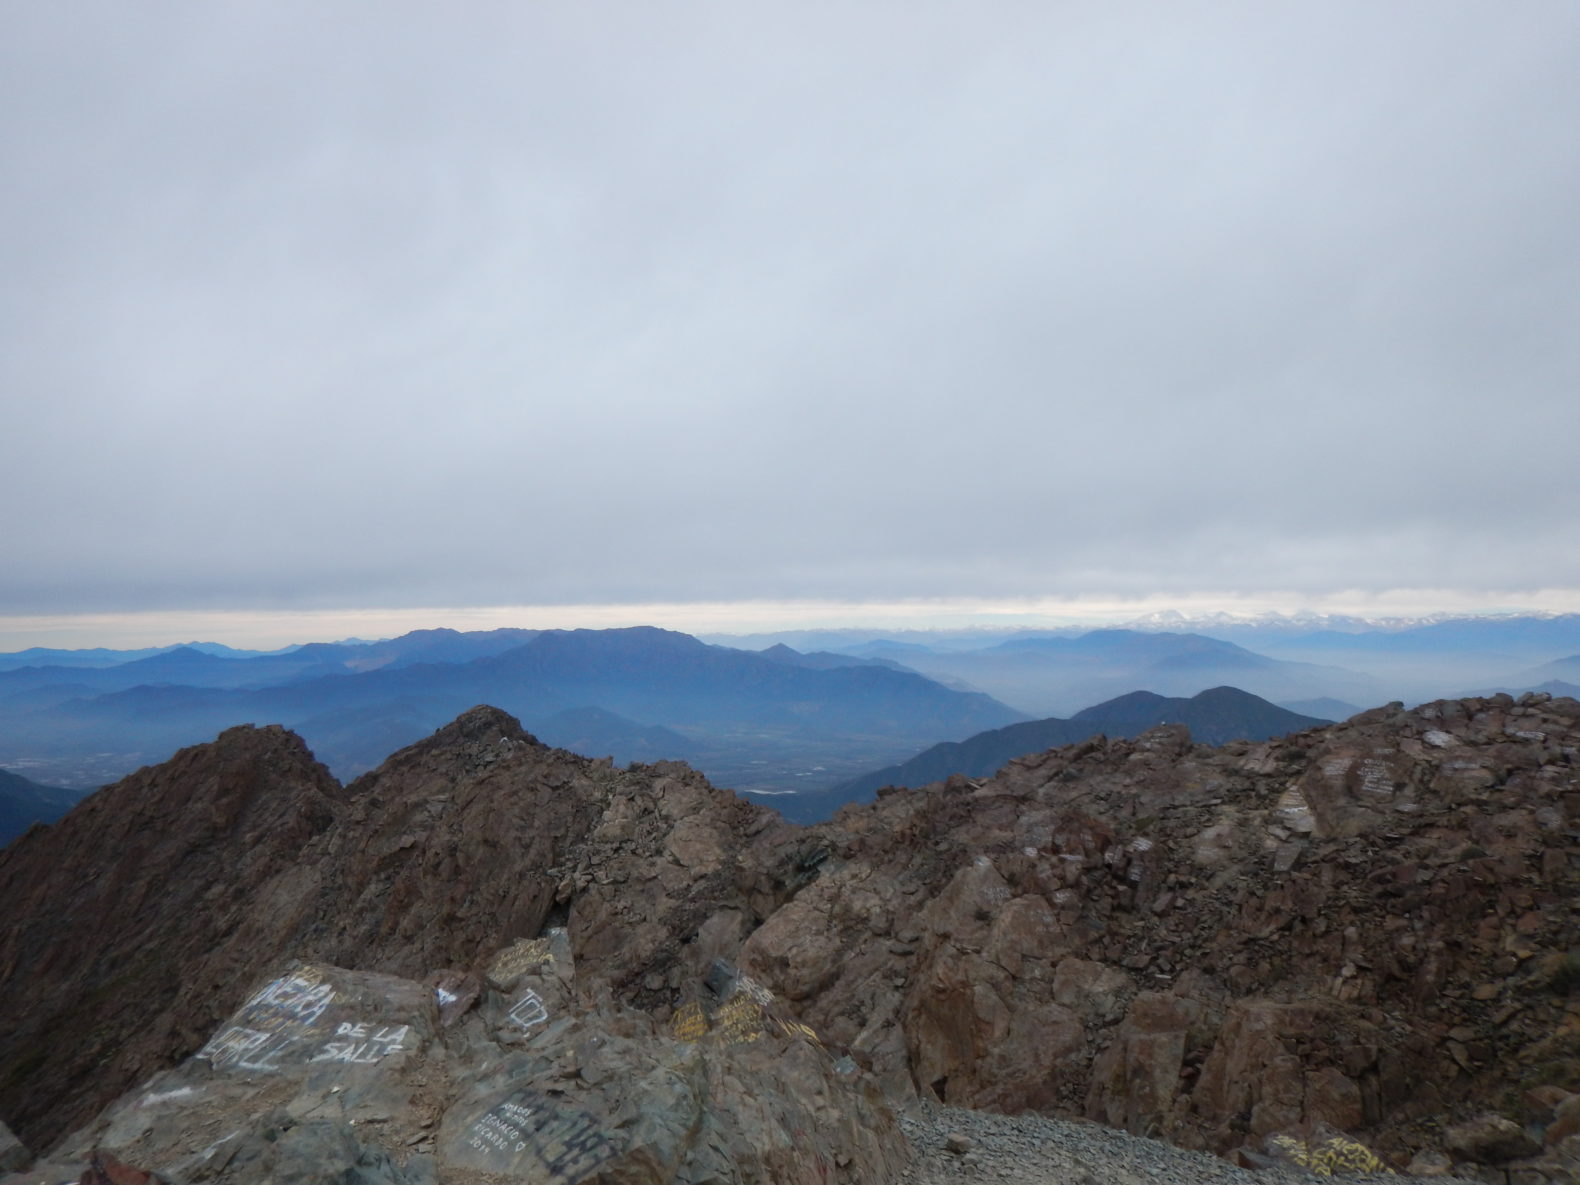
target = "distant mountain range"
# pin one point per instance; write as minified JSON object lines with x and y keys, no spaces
{"x":728,"y":710}
{"x":1322,"y":708}
{"x":24,"y":802}
{"x":594,"y":732}
{"x":1443,"y":658}
{"x":812,"y":710}
{"x":1303,"y":657}
{"x":205,"y":665}
{"x":99,"y":656}
{"x":1059,"y":675}
{"x":1214,"y":717}
{"x":1567,"y":669}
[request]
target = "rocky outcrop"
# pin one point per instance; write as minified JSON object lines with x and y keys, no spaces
{"x":327,"y":1075}
{"x":1366,"y":929}
{"x":143,"y":915}
{"x":1368,"y":926}
{"x":126,"y":923}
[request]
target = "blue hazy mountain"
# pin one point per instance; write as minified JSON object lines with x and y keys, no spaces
{"x":1056,"y":675}
{"x":823,"y":660}
{"x":595,"y":732}
{"x":99,"y":656}
{"x":1214,"y":717}
{"x":1440,"y":658}
{"x":1522,"y":635}
{"x":724,"y":700}
{"x":24,"y":802}
{"x":209,"y":665}
{"x":1564,"y":669}
{"x":1349,"y":659}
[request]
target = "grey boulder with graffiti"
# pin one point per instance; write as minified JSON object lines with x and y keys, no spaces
{"x":356,"y":1078}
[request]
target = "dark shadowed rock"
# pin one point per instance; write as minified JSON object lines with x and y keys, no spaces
{"x":126,"y":921}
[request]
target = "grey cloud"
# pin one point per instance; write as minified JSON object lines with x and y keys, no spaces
{"x":347,"y":305}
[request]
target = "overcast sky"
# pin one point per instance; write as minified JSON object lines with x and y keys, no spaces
{"x":383,"y":305}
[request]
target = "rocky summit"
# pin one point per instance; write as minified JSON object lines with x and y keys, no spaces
{"x":1353,"y":949}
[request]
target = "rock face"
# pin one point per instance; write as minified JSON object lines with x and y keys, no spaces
{"x":144,"y":914}
{"x":1369,"y":926}
{"x":126,"y":923}
{"x":1367,"y":929}
{"x":333,"y":1075}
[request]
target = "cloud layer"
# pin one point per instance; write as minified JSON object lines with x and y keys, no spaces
{"x":328,"y":306}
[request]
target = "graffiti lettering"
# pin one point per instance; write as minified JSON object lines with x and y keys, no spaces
{"x":529,"y":1011}
{"x":246,"y":1049}
{"x":568,"y":1143}
{"x":363,"y":1044}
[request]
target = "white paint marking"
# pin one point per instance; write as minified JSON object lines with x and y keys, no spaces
{"x":156,"y":1097}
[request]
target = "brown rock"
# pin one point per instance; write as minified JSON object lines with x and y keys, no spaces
{"x":1430,"y":1162}
{"x":172,"y":883}
{"x":1489,"y":1139}
{"x":1099,"y":994}
{"x":454,"y":993}
{"x":104,"y":1169}
{"x":1566,"y":1121}
{"x":992,"y":941}
{"x":439,"y":858}
{"x":1545,"y":1098}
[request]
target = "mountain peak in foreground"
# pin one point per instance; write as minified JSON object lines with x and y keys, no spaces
{"x":493,"y":960}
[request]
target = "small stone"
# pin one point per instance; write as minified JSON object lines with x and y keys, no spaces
{"x":1546,"y":1098}
{"x":1566,"y":1120}
{"x":1429,"y":1162}
{"x":958,"y":1144}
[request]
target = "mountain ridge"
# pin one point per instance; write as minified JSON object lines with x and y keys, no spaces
{"x":1216,"y":945}
{"x":1215,"y":717}
{"x":719,"y":699}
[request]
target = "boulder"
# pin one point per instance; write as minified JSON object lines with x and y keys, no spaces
{"x":326,"y":1074}
{"x":1489,"y":1139}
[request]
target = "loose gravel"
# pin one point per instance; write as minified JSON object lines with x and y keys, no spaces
{"x":1037,"y":1150}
